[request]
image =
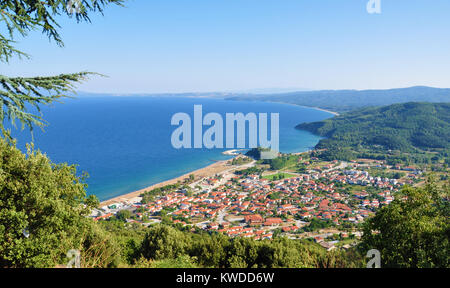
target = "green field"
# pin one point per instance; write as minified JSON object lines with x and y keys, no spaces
{"x":278,"y":176}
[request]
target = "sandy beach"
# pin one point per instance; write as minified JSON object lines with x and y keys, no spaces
{"x":324,"y":110}
{"x":211,"y":170}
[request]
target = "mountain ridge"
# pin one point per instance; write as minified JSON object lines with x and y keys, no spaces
{"x":405,"y":127}
{"x":348,"y":100}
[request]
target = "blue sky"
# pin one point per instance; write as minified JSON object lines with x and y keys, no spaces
{"x":231,"y":45}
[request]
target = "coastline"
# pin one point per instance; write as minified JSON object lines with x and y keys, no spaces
{"x":324,"y":110}
{"x":210,"y":170}
{"x":280,"y":102}
{"x":310,"y":107}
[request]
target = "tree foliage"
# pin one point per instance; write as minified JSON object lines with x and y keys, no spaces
{"x":165,"y":243}
{"x":412,"y":233}
{"x":407,"y":128}
{"x":42,"y":213}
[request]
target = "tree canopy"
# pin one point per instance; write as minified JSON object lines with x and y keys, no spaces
{"x":168,"y":244}
{"x":407,"y":127}
{"x":43,"y":206}
{"x":412,"y":233}
{"x":43,"y":209}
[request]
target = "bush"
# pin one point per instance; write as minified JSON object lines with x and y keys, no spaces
{"x":42,"y":213}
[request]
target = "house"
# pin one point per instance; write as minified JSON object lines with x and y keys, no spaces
{"x":327,"y":245}
{"x":318,"y":239}
{"x":273,"y":221}
{"x":213,"y":226}
{"x":267,"y":236}
{"x":103,"y":217}
{"x":253,"y":220}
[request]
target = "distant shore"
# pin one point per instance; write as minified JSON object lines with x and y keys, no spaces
{"x":324,"y":110}
{"x":311,"y":107}
{"x":287,"y":103}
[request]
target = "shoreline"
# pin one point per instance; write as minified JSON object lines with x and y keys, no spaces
{"x":234,"y":152}
{"x":210,"y":170}
{"x":310,"y":107}
{"x":321,"y":109}
{"x":207,"y":171}
{"x":280,"y":102}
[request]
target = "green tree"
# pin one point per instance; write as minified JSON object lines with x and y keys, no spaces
{"x":43,"y":209}
{"x":42,"y":205}
{"x":414,"y":232}
{"x":162,"y":242}
{"x":123,"y":215}
{"x":18,"y":17}
{"x":210,"y":251}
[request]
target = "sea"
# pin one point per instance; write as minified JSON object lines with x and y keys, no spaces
{"x":124,"y":142}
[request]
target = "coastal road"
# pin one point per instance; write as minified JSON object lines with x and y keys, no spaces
{"x":221,"y":215}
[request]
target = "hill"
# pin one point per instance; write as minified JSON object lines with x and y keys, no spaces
{"x":406,"y":127}
{"x":348,"y":100}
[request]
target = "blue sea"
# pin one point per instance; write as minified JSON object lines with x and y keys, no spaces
{"x":124,"y":143}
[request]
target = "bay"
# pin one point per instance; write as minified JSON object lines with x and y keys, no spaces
{"x":124,"y":142}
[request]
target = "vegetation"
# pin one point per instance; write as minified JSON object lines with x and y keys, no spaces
{"x":164,"y":243}
{"x":249,"y":171}
{"x":408,"y":127}
{"x":281,"y":162}
{"x":412,"y":233}
{"x":43,"y":206}
{"x":278,"y":176}
{"x":385,"y":174}
{"x":149,"y":196}
{"x":255,"y":153}
{"x":240,"y":161}
{"x":317,"y":224}
{"x":123,"y":215}
{"x":43,"y":209}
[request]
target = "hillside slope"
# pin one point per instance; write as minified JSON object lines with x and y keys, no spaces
{"x":404,"y":127}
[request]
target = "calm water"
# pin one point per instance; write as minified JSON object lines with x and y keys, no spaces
{"x":124,"y":142}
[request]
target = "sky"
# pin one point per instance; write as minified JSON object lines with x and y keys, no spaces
{"x":171,"y":46}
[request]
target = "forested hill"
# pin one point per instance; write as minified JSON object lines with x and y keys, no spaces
{"x":403,"y":127}
{"x":348,"y":100}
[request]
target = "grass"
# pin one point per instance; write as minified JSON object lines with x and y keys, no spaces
{"x":277,"y":176}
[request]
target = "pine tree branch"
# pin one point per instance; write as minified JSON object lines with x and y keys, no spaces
{"x":22,"y":16}
{"x":7,"y":50}
{"x":20,"y":93}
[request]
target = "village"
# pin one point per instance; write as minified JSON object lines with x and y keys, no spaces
{"x":326,"y":203}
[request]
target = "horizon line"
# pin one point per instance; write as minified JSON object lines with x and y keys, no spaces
{"x":305,"y":90}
